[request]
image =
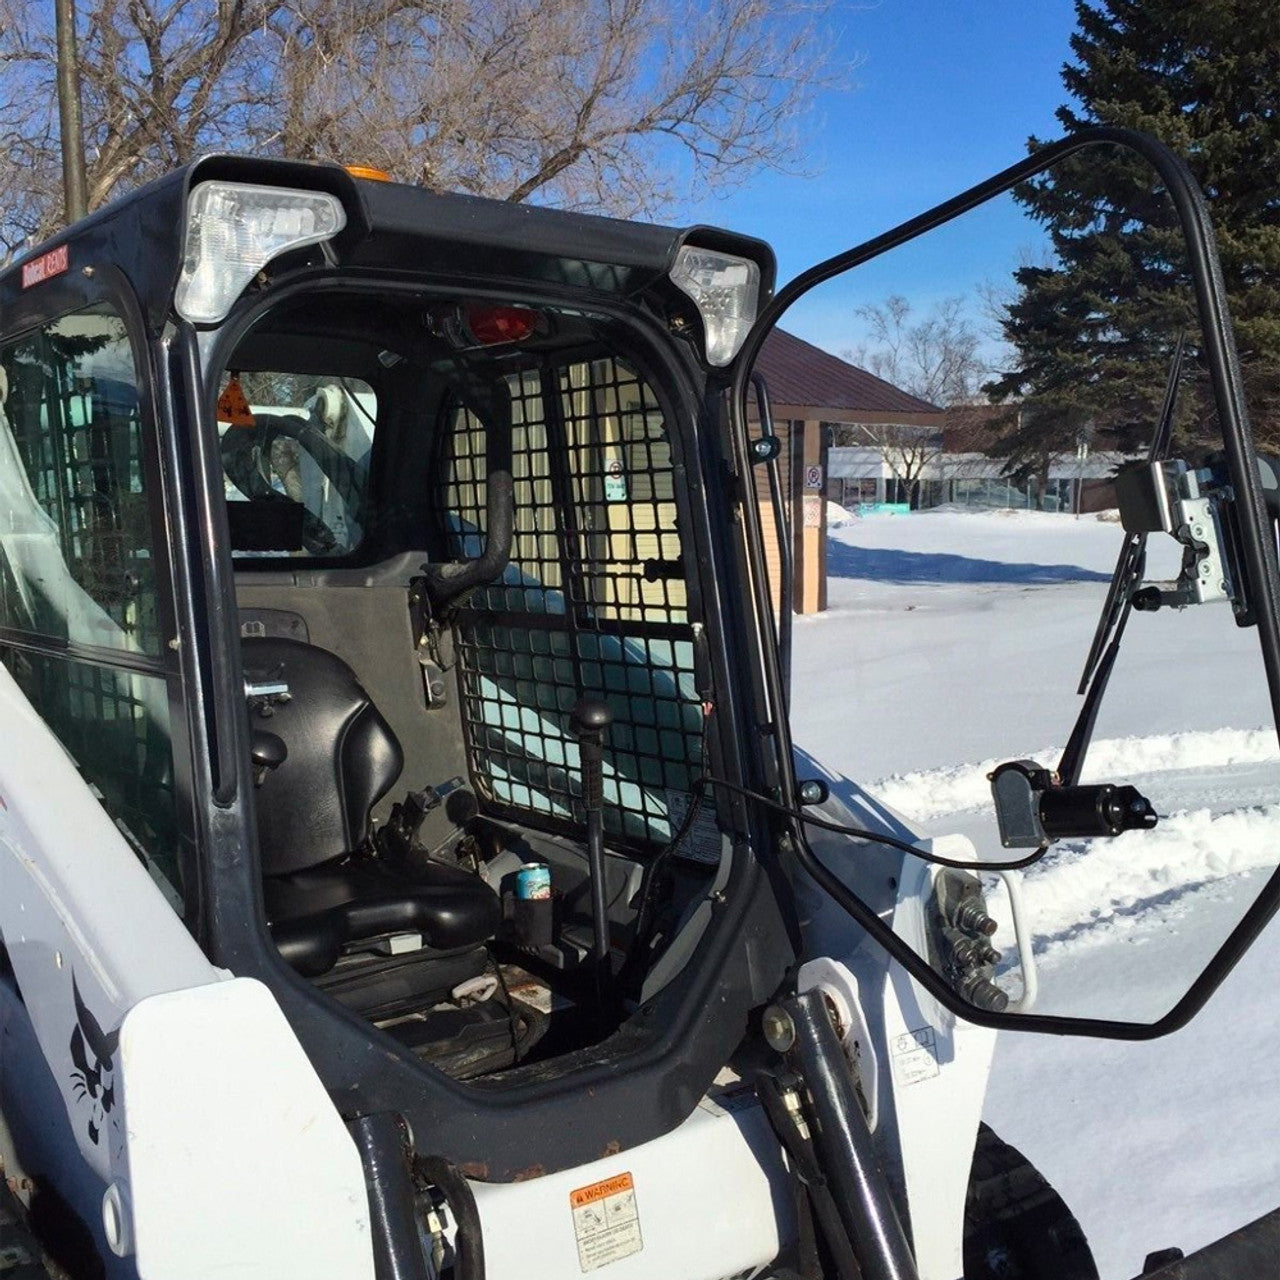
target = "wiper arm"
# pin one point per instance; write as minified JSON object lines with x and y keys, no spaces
{"x":1115,"y":611}
{"x":1072,"y":763}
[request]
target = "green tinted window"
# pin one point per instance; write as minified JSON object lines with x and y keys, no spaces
{"x":115,"y":726}
{"x":77,"y":557}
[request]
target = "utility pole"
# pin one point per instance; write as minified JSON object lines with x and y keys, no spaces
{"x":74,"y":185}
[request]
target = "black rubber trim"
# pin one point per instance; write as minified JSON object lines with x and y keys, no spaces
{"x":91,"y":655}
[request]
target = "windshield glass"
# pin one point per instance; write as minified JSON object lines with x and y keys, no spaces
{"x":301,"y":441}
{"x":1023,"y":498}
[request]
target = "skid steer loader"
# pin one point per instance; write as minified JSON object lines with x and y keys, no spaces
{"x":406,"y":869}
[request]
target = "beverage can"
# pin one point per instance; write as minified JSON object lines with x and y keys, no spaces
{"x":533,"y":880}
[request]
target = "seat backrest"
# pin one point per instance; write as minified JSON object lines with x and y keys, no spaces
{"x":342,"y":756}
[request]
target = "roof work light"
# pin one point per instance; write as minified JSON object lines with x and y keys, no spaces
{"x":726,"y":291}
{"x":234,"y":229}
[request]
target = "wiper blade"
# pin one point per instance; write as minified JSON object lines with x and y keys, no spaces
{"x":1118,"y":605}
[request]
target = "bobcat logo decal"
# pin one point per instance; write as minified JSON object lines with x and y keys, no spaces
{"x":93,"y":1053}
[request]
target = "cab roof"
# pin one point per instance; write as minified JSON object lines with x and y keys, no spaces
{"x":390,"y":226}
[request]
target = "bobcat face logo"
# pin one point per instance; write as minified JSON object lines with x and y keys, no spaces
{"x":93,"y":1053}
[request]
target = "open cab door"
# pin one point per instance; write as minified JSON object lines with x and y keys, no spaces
{"x":1073,"y":707}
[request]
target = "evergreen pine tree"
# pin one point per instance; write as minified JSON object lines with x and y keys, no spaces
{"x":1093,"y":332}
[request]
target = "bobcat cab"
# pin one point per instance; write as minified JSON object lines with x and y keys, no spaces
{"x":405,"y":866}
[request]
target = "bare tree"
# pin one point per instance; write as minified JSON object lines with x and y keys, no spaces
{"x":936,"y":359}
{"x":613,"y":105}
{"x":907,"y":451}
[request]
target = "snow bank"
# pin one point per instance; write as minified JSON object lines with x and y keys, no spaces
{"x":1140,"y":878}
{"x":1151,"y":1144}
{"x":932,"y":793}
{"x":838,"y":517}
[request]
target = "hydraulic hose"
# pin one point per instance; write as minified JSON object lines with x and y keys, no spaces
{"x":469,"y":1246}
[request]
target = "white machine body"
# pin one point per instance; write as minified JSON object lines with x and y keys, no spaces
{"x":186,"y":1091}
{"x":930,"y":1069}
{"x":709,"y":1201}
{"x":222,"y":1155}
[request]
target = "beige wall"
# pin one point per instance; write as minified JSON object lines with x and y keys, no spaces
{"x":803,"y":445}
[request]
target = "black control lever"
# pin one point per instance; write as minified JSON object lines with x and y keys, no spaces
{"x":587,"y":722}
{"x":397,"y":835}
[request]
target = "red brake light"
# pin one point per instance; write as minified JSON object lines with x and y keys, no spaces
{"x":492,"y":325}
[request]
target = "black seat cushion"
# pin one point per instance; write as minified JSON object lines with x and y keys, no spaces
{"x":341,"y":756}
{"x":316,"y":914}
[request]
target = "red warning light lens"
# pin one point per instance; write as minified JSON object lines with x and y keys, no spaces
{"x":492,"y":325}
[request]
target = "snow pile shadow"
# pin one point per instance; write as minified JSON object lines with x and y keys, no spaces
{"x":933,"y":793}
{"x":904,"y":567}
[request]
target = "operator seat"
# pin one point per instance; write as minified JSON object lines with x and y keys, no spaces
{"x":326,"y":756}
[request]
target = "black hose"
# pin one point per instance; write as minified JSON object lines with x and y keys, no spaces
{"x":873,"y":837}
{"x":491,"y":403}
{"x":808,"y":1173}
{"x":469,"y":1243}
{"x":446,"y":582}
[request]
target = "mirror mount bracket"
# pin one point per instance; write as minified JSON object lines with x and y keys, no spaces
{"x":1192,"y":506}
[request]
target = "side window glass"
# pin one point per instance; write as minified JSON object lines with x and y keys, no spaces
{"x":114,"y":725}
{"x":78,"y":581}
{"x":77,"y":549}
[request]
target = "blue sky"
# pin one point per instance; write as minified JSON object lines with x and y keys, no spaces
{"x":944,"y":93}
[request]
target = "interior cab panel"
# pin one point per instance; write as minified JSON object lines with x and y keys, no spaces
{"x":499,"y":483}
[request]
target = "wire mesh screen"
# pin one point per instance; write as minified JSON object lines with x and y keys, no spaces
{"x":115,"y":726}
{"x":594,"y":602}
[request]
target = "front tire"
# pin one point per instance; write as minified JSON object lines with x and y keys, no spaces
{"x":1016,"y":1226}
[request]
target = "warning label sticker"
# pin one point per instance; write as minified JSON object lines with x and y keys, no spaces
{"x":615,"y":482}
{"x":606,"y":1221}
{"x":915,"y":1056}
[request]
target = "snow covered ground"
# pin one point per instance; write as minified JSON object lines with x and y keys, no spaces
{"x":954,"y":641}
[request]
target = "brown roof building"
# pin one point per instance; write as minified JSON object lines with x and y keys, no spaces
{"x":802,"y":376}
{"x":811,"y":390}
